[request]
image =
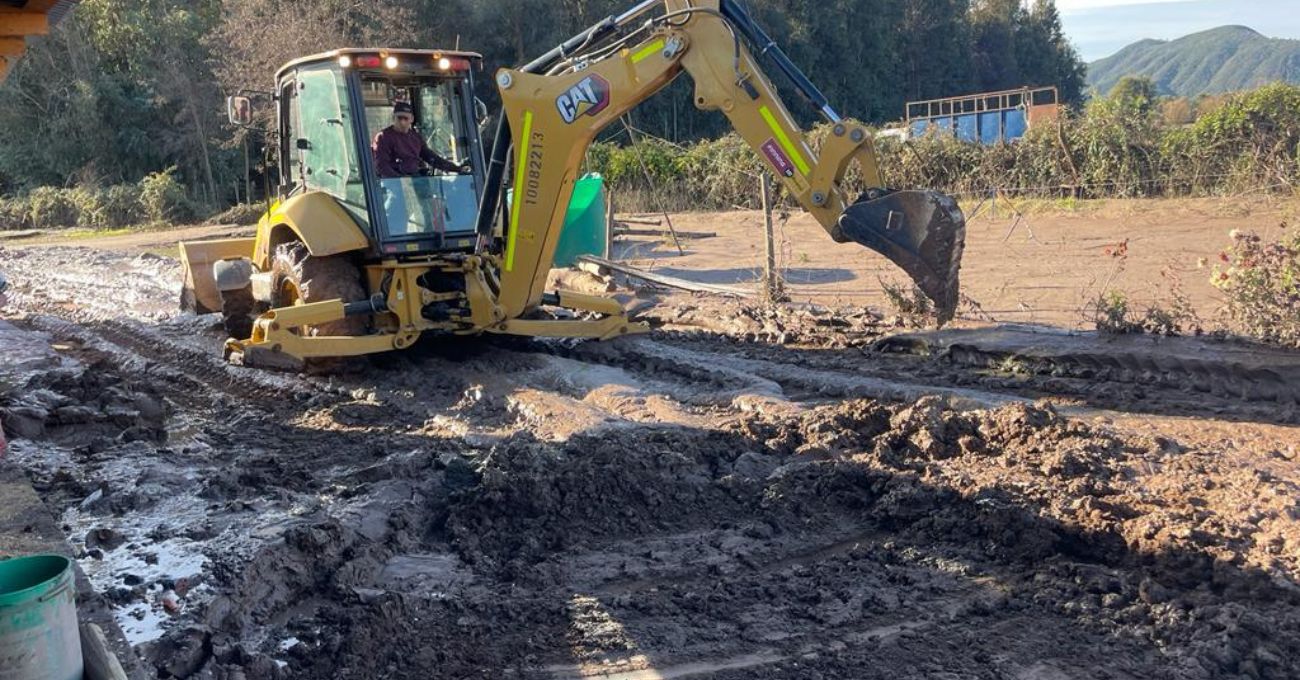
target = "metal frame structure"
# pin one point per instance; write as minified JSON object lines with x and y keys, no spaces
{"x":1027,"y":98}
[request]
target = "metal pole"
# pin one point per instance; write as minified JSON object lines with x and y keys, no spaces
{"x":609,"y":224}
{"x":650,"y":182}
{"x":769,"y":240}
{"x":248,"y":181}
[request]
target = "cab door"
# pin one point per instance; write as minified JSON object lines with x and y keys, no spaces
{"x":320,"y":141}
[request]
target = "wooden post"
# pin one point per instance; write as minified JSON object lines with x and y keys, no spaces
{"x":100,"y":662}
{"x":770,"y":285}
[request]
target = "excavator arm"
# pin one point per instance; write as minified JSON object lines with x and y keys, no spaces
{"x":555,"y":106}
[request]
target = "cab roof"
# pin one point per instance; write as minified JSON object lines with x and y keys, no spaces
{"x":333,"y":55}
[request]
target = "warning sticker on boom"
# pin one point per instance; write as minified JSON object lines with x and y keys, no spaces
{"x":779,"y":160}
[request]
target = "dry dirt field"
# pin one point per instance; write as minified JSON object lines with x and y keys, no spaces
{"x":793,"y":492}
{"x":1029,"y":262}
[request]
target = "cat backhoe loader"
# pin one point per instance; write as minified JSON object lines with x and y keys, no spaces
{"x":347,"y":263}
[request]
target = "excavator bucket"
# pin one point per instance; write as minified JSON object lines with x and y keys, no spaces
{"x":199,"y":292}
{"x":923,"y":232}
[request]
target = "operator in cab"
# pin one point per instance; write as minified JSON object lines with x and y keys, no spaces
{"x":400,"y":151}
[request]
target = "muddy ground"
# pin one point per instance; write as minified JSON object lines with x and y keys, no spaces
{"x":745,"y":493}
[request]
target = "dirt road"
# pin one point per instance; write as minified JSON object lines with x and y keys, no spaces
{"x":744,"y":493}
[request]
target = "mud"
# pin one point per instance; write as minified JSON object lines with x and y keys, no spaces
{"x":745,"y":493}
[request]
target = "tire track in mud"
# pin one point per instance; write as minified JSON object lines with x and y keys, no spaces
{"x":1219,"y":368}
{"x":193,"y":371}
{"x":974,"y":380}
{"x":787,"y":383}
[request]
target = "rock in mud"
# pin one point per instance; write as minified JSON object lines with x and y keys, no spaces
{"x":25,"y":422}
{"x":105,"y":539}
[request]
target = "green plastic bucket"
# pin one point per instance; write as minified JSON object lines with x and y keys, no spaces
{"x":584,"y":223}
{"x":39,"y":638}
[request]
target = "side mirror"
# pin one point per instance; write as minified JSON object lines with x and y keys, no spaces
{"x":480,"y":113}
{"x":239,"y":110}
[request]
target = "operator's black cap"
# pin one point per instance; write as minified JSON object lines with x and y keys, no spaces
{"x":403,"y":107}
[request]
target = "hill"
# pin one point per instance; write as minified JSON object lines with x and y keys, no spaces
{"x":1223,"y":59}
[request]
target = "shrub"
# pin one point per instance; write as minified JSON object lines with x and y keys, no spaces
{"x":117,"y":206}
{"x":52,"y":207}
{"x":1111,"y":314}
{"x":1119,"y":146}
{"x":15,"y":213}
{"x":244,"y":213}
{"x":1261,"y":283}
{"x":163,"y":198}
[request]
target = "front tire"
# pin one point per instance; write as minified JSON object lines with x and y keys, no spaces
{"x":302,"y":278}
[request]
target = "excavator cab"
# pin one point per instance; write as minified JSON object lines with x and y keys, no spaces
{"x":330,"y":111}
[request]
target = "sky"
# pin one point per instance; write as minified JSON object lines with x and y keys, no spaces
{"x":1100,"y":28}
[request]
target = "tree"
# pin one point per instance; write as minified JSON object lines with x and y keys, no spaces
{"x":993,"y":47}
{"x":1046,"y":56}
{"x":1135,"y":95}
{"x":126,"y":88}
{"x":934,"y":48}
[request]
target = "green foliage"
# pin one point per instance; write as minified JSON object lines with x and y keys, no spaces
{"x":1261,"y":283}
{"x":1115,"y":147}
{"x":88,"y":208}
{"x":125,"y":88}
{"x":243,"y":213}
{"x":1225,"y":59}
{"x":163,"y":198}
{"x":1111,"y":314}
{"x":1135,"y":95}
{"x":15,"y":213}
{"x":111,"y":208}
{"x":52,"y":208}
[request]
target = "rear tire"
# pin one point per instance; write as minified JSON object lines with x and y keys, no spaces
{"x":302,"y":278}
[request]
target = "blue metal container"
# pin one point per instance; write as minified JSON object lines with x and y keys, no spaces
{"x":990,"y":127}
{"x":968,"y":128}
{"x":1014,"y":124}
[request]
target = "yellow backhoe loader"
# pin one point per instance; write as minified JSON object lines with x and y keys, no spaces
{"x":346,"y":262}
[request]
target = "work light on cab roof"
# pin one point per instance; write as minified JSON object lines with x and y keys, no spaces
{"x":441,"y":62}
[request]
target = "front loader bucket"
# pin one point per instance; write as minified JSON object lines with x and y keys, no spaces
{"x":923,"y":232}
{"x":199,"y":292}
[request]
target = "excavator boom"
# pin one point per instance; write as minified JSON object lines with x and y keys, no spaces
{"x":557,"y":104}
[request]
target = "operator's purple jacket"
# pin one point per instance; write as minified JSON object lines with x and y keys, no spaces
{"x":399,"y":155}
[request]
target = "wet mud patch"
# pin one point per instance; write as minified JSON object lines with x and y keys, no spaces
{"x":1004,"y":541}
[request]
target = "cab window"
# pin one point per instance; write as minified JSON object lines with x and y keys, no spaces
{"x":324,"y":144}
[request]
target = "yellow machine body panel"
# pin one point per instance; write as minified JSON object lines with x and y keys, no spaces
{"x":316,"y":219}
